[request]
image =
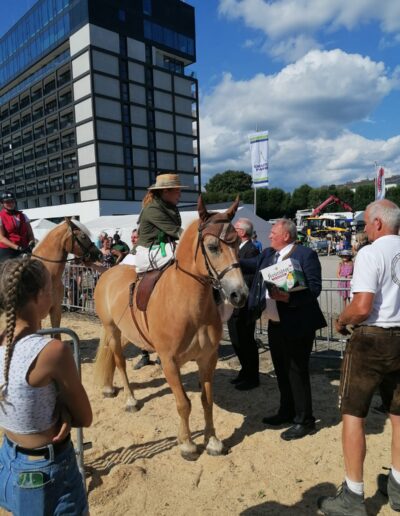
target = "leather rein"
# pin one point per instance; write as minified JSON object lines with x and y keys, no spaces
{"x":74,"y":238}
{"x":224,"y":231}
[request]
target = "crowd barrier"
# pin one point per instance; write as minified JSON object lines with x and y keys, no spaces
{"x":80,"y":282}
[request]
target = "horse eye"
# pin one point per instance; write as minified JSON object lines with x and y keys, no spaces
{"x":213,"y":248}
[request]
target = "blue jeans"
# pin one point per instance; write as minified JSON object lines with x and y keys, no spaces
{"x":38,"y":486}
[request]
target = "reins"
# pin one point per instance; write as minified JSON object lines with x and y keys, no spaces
{"x":74,"y":238}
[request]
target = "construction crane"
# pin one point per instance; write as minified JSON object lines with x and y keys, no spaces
{"x":331,"y":200}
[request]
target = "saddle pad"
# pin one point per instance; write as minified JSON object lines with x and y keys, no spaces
{"x":145,"y":287}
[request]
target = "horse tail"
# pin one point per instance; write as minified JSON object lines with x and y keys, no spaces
{"x":105,"y":361}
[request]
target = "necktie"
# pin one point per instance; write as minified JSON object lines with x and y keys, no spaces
{"x":276,"y":257}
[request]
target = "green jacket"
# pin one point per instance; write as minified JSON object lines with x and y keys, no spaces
{"x":159,"y":222}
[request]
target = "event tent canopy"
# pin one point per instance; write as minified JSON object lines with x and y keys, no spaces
{"x":124,"y":224}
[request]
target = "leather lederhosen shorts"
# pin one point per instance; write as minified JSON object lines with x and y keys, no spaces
{"x":372,"y":361}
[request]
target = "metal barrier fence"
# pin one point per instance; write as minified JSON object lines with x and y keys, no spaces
{"x":80,"y":282}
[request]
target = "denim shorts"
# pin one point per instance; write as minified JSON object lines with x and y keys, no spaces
{"x":36,"y":486}
{"x":371,"y":361}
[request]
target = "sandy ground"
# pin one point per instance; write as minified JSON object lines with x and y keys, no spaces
{"x":134,"y":466}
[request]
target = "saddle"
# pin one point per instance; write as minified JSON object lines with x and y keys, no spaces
{"x":145,"y":285}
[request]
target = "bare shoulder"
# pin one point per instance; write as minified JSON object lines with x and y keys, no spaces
{"x":56,"y":351}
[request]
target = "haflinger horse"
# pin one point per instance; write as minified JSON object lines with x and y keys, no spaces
{"x":182,"y":321}
{"x":68,"y":237}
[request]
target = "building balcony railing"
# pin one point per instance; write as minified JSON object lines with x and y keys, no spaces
{"x":64,"y":101}
{"x":43,"y":190}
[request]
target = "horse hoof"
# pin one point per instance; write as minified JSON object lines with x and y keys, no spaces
{"x":190,"y":456}
{"x":214,"y":447}
{"x":132,"y":408}
{"x":109,"y":394}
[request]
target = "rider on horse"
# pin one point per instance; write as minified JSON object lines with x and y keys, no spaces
{"x":16,"y":233}
{"x":159,"y":224}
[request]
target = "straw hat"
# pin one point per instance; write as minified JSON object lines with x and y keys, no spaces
{"x":164,"y":181}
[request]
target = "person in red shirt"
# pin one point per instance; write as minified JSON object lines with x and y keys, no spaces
{"x":16,"y":233}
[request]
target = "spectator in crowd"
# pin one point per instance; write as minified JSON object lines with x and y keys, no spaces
{"x":241,"y":326}
{"x":372,"y":358}
{"x":345,"y":270}
{"x":293,"y":319}
{"x":110,"y":256}
{"x":16,"y":235}
{"x":134,"y":239}
{"x":361,"y":240}
{"x":256,"y":242}
{"x":100,"y":239}
{"x":119,"y":246}
{"x":41,"y":397}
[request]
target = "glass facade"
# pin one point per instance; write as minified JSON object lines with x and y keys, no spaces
{"x":45,"y":26}
{"x":168,"y":37}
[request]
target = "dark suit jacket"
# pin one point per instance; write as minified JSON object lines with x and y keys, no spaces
{"x":248,"y":250}
{"x":302,"y":313}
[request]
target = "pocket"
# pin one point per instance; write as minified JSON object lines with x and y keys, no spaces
{"x":33,"y":492}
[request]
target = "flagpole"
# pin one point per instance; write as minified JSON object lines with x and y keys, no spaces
{"x":255,"y":189}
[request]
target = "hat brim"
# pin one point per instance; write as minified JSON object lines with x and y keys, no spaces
{"x":156,"y":187}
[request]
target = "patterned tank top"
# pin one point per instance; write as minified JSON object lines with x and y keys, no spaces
{"x":26,"y":409}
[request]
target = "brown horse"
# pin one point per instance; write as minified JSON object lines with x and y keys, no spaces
{"x":69,"y":237}
{"x":182,"y":321}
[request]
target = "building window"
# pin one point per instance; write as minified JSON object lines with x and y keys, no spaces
{"x":122,"y":15}
{"x":147,"y":7}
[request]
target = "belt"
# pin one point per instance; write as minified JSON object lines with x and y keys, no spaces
{"x":44,"y":451}
{"x":393,"y":330}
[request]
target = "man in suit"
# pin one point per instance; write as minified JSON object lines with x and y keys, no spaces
{"x":241,"y":327}
{"x":294,"y":318}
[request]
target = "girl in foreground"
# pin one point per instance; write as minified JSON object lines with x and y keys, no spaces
{"x":41,"y":397}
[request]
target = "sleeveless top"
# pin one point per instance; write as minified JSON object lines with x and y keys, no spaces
{"x":26,"y":409}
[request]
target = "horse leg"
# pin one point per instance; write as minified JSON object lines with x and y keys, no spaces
{"x":55,"y":317}
{"x":207,"y":366}
{"x":172,"y":374}
{"x":131,"y":404}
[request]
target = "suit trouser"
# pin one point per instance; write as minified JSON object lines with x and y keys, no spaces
{"x":241,"y":333}
{"x":291,"y":357}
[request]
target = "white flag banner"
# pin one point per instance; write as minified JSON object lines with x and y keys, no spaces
{"x":380,"y":183}
{"x":259,"y":158}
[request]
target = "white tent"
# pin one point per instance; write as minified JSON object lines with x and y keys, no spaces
{"x":124,"y":224}
{"x":41,"y":227}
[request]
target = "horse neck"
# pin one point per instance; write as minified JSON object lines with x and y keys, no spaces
{"x":188,"y":253}
{"x":53,"y":247}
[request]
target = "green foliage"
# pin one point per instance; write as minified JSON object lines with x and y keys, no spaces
{"x":393,"y":194}
{"x":230,"y":181}
{"x":272,"y":203}
{"x":300,"y":198}
{"x":363,"y":196}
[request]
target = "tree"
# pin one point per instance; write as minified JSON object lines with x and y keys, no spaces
{"x":272,"y":203}
{"x":230,"y":181}
{"x":393,"y":194}
{"x":363,"y":196}
{"x":300,"y":198}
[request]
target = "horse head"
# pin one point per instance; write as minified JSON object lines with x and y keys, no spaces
{"x":79,"y":243}
{"x":219,"y":244}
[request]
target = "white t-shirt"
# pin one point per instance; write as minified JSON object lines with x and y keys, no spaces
{"x":377,"y":270}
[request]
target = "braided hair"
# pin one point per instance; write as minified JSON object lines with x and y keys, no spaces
{"x":21,"y":279}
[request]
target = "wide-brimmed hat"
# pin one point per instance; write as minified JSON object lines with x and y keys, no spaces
{"x":345,"y":252}
{"x":164,"y":181}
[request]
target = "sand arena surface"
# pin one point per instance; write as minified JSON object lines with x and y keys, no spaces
{"x":135,"y":468}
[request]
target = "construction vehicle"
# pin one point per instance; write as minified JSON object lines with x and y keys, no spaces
{"x":317,"y":225}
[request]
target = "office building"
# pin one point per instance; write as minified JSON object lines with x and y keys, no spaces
{"x":95,"y":100}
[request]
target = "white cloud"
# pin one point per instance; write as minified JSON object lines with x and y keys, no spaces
{"x":302,"y":19}
{"x":306,"y":107}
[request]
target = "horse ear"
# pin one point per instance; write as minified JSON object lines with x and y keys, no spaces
{"x":230,"y":212}
{"x":203,"y":213}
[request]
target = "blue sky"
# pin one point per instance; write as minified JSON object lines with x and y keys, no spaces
{"x":322,"y":76}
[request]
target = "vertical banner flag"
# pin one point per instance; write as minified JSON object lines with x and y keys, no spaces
{"x":380,"y":183}
{"x":259,"y":158}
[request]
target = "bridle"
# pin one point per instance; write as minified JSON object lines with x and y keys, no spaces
{"x":220,"y":227}
{"x":75,"y":232}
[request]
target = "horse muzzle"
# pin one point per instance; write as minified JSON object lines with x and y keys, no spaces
{"x":236,"y":295}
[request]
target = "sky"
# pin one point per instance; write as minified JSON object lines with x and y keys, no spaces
{"x":322,"y":76}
